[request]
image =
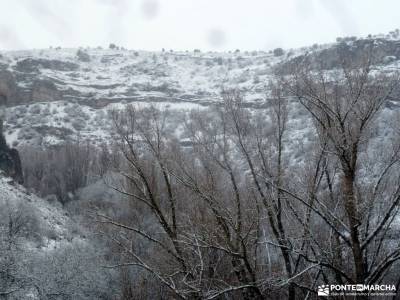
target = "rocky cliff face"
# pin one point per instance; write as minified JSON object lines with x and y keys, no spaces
{"x":44,"y":91}
{"x":385,"y":52}
{"x":8,"y":89}
{"x":10,"y":162}
{"x":39,"y":90}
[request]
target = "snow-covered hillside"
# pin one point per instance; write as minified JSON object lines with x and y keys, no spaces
{"x":63,"y":94}
{"x":51,"y":220}
{"x":114,"y":75}
{"x":37,"y":240}
{"x":58,"y":93}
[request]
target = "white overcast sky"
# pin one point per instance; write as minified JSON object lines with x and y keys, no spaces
{"x":188,"y":24}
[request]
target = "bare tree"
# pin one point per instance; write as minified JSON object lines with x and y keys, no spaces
{"x":196,"y":197}
{"x":344,"y":104}
{"x":263,"y":153}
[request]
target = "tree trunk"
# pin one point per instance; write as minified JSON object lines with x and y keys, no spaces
{"x":354,"y":222}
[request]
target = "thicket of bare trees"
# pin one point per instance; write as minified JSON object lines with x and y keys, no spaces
{"x":63,"y":169}
{"x":231,"y":216}
{"x":15,"y":223}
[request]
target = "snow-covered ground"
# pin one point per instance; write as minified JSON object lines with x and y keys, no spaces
{"x":51,"y":221}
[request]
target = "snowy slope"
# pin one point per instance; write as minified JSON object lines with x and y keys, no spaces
{"x":44,"y":251}
{"x":62,"y":93}
{"x":52,"y":224}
